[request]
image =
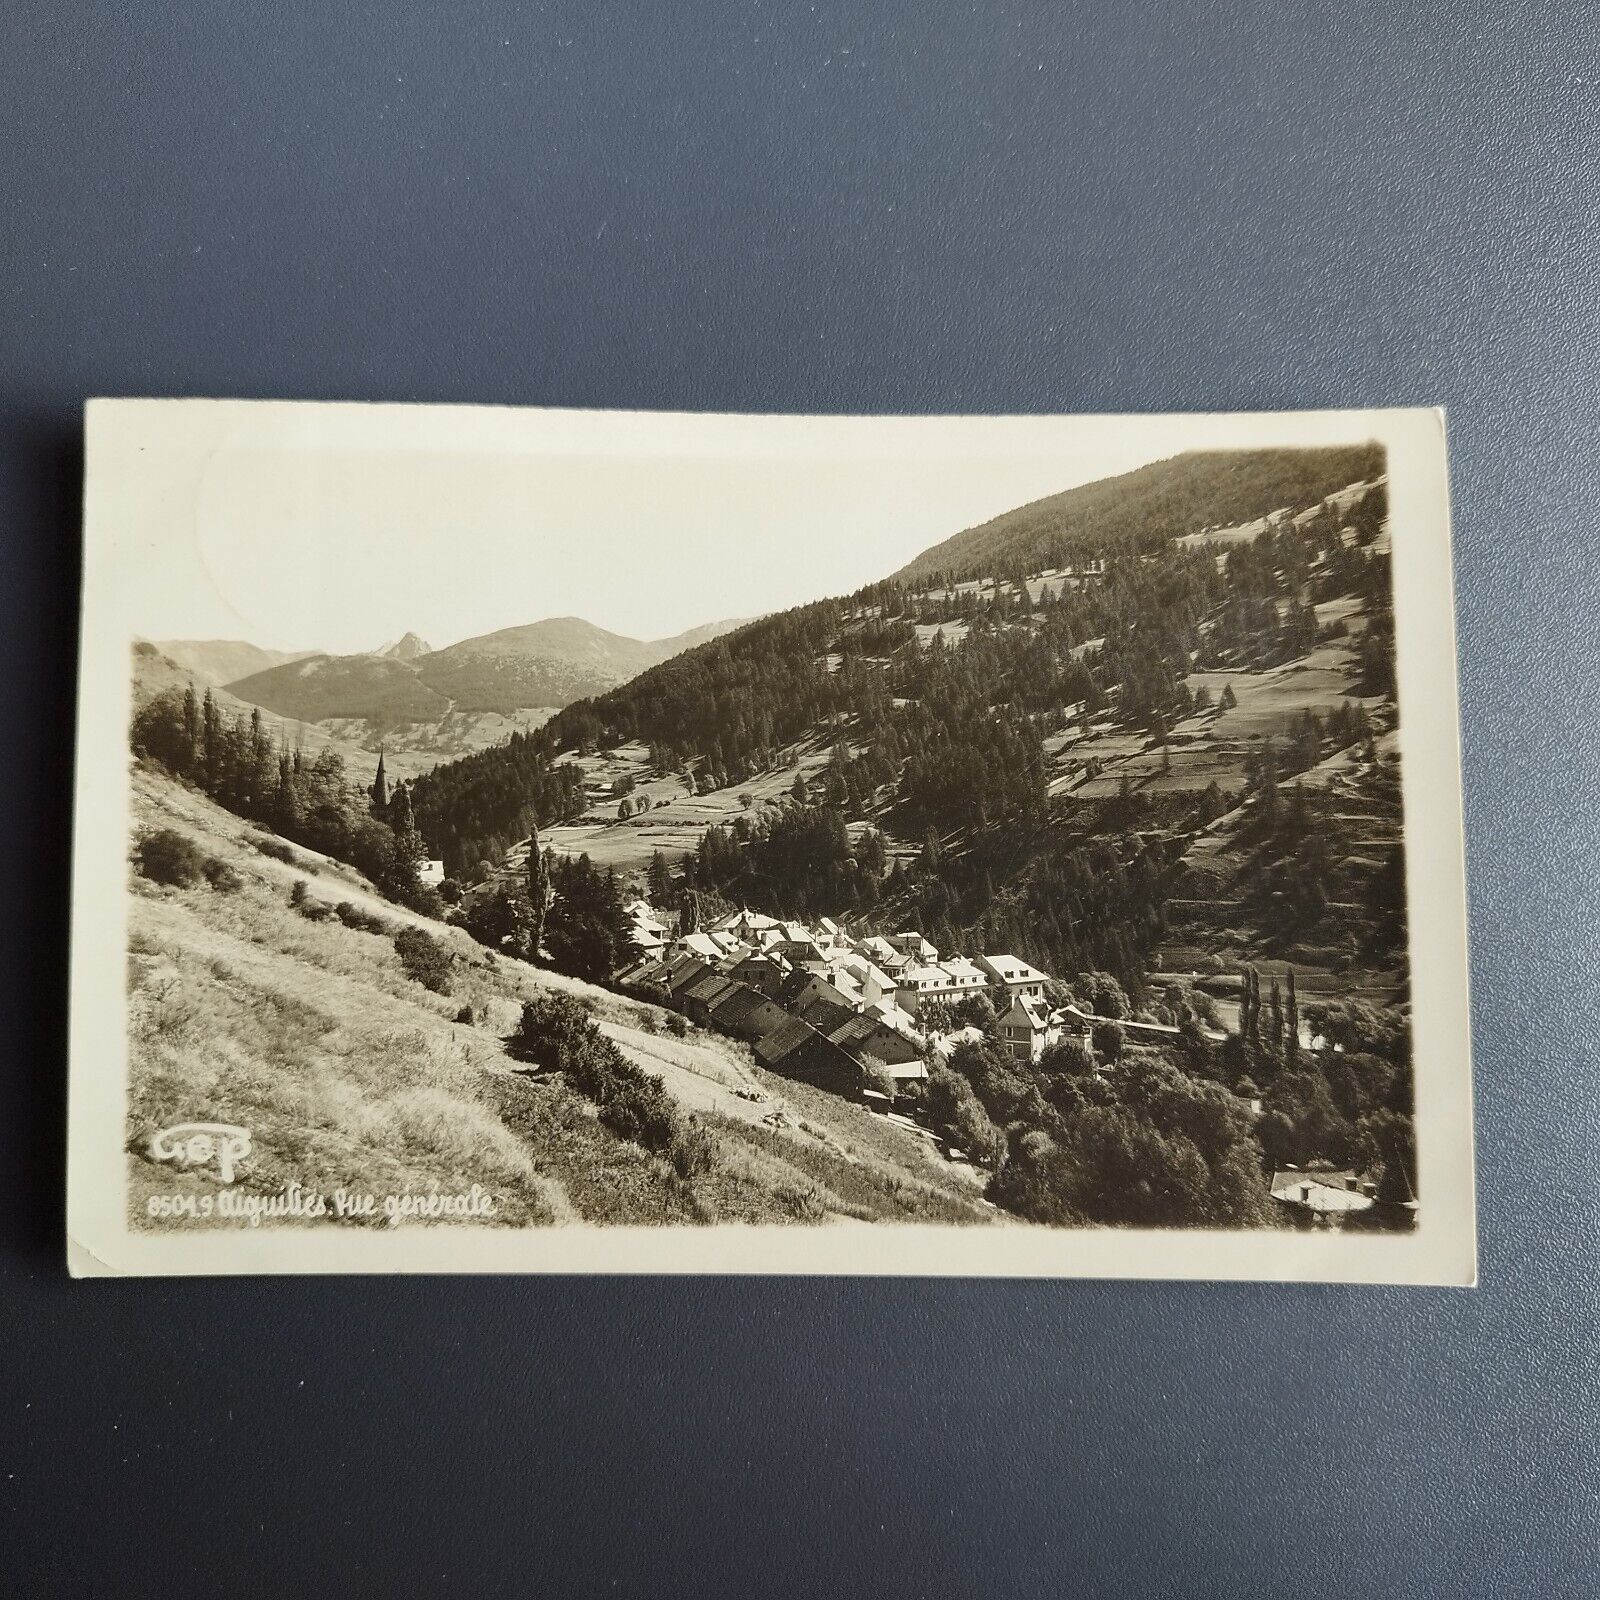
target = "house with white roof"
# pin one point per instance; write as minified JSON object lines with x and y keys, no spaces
{"x":708,"y":946}
{"x":914,"y":947}
{"x":1323,"y":1196}
{"x":1015,"y":974}
{"x":964,"y":977}
{"x":878,"y":950}
{"x":874,"y":983}
{"x":948,"y":981}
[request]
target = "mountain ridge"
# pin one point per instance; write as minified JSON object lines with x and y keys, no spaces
{"x":222,"y":661}
{"x":1144,"y":509}
{"x":544,"y":664}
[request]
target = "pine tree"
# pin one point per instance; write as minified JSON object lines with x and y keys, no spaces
{"x":659,"y":882}
{"x":1277,"y":1018}
{"x":380,"y":789}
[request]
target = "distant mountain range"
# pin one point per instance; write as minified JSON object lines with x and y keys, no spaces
{"x":221,"y":661}
{"x":408,"y":647}
{"x":541,"y":664}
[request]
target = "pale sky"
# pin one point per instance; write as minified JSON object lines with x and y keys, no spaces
{"x":340,"y":527}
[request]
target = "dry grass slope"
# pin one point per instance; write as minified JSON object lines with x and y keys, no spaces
{"x":349,"y":1074}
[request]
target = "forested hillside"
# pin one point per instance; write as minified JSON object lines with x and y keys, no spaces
{"x":1142,"y":510}
{"x":1029,"y":761}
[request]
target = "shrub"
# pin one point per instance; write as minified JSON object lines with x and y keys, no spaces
{"x":677,"y":1026}
{"x":279,"y":851}
{"x":168,"y":857}
{"x":298,"y":890}
{"x":221,"y":876}
{"x":1108,"y":1040}
{"x":875,"y":1074}
{"x":557,"y":1032}
{"x":359,"y":918}
{"x":425,"y":960}
{"x":467,"y":1015}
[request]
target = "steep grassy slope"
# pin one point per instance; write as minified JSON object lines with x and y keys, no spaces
{"x":348,"y":1073}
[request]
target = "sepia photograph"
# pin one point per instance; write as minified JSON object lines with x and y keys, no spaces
{"x":534,"y":840}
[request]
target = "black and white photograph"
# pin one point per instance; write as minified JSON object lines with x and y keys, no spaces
{"x":515,"y":840}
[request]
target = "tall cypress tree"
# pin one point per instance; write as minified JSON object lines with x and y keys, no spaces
{"x":191,"y":728}
{"x":401,"y":881}
{"x":380,"y":788}
{"x":210,"y":741}
{"x":538,"y":895}
{"x":1291,"y":1042}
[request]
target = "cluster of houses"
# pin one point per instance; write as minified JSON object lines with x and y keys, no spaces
{"x":818,"y":1003}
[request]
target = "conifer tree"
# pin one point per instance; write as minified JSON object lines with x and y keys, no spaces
{"x":191,"y":726}
{"x":659,"y":882}
{"x":210,"y":740}
{"x":538,"y":895}
{"x":402,"y":881}
{"x":1291,"y":1042}
{"x":380,"y":788}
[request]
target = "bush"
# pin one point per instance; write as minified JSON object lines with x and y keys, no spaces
{"x":425,"y":960}
{"x":357,"y":917}
{"x":876,"y":1075}
{"x":677,"y":1026}
{"x":557,"y":1032}
{"x":1108,"y":1040}
{"x":221,"y":876}
{"x":279,"y":851}
{"x":168,"y":857}
{"x":298,"y":890}
{"x":467,"y":1015}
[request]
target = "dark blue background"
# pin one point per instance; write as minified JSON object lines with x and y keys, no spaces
{"x":864,"y":206}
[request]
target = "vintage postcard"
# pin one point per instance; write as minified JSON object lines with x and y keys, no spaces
{"x":557,"y":841}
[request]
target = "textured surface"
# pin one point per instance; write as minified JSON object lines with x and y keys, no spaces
{"x":862,"y":208}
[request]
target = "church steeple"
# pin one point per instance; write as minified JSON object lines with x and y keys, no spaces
{"x":380,"y":787}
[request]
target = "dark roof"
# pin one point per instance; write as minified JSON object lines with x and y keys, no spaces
{"x":865,"y":1036}
{"x":781,"y":1041}
{"x":824,"y":1014}
{"x":649,"y":970}
{"x":809,"y":1055}
{"x":736,"y":1003}
{"x":709,"y":987}
{"x":690,"y":972}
